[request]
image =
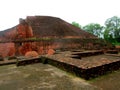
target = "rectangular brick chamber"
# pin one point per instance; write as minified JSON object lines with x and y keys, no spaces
{"x":84,"y":67}
{"x":88,"y":73}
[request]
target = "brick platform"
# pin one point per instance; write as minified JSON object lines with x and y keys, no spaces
{"x":87,"y":68}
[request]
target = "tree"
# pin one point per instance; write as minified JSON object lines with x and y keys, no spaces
{"x":94,"y":28}
{"x":112,"y":29}
{"x":76,"y":24}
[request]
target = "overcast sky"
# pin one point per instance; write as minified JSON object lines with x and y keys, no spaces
{"x":81,"y":11}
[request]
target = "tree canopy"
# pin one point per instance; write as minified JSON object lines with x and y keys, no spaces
{"x":112,"y":29}
{"x":110,"y":32}
{"x":94,"y":28}
{"x":76,"y":24}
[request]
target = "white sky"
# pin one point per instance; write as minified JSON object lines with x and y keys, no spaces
{"x":80,"y":11}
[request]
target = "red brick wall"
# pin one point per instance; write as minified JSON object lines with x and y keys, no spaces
{"x":7,"y":49}
{"x":24,"y":31}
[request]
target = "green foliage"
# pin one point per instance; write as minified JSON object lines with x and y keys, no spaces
{"x":76,"y":24}
{"x":112,"y":29}
{"x":94,"y":28}
{"x":116,"y":43}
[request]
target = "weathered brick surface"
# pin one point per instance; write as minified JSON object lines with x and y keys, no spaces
{"x":24,"y":31}
{"x":64,"y":36}
{"x":31,"y":54}
{"x":86,"y":68}
{"x":51,"y":52}
{"x":7,"y":49}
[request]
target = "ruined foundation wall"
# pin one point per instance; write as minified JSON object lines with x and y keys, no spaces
{"x":42,"y":46}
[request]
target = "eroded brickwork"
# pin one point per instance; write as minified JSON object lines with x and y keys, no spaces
{"x":63,"y":34}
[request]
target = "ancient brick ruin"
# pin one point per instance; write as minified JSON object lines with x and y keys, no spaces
{"x":44,"y":35}
{"x":51,"y":40}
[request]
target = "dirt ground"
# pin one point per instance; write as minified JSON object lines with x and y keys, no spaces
{"x":110,"y":81}
{"x":40,"y":77}
{"x":46,"y":77}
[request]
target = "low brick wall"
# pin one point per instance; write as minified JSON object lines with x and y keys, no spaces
{"x":87,"y":54}
{"x":88,"y":73}
{"x":26,"y":61}
{"x":101,"y":70}
{"x":112,"y":51}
